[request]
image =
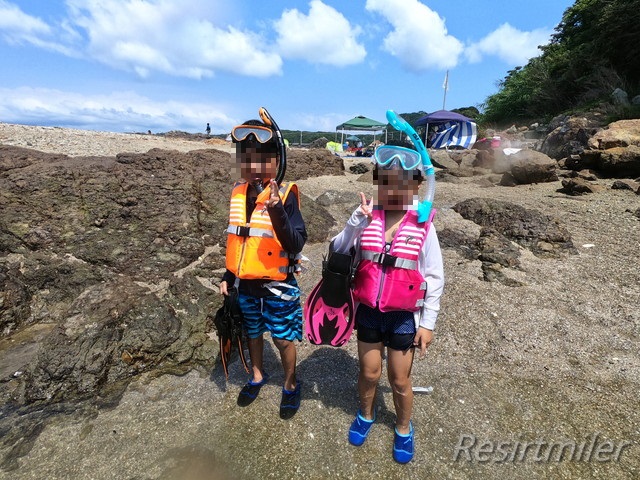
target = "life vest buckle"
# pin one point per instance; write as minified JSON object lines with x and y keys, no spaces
{"x":242,"y":231}
{"x":387,"y":260}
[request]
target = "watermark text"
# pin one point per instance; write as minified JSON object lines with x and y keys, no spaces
{"x":594,"y":448}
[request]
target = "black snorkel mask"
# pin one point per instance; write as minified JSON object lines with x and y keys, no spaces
{"x":264,"y":134}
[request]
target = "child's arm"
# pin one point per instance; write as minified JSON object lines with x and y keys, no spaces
{"x":431,"y":268}
{"x":227,"y":281}
{"x":355,"y":225}
{"x":288,"y":224}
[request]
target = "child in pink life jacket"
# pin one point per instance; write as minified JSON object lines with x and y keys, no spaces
{"x":398,"y":285}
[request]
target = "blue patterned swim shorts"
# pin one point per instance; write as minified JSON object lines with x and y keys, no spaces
{"x":283,"y":318}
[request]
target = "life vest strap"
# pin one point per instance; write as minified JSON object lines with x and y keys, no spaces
{"x":271,"y":286}
{"x":290,"y":256}
{"x":388,"y":260}
{"x":249,"y":231}
{"x":290,"y":269}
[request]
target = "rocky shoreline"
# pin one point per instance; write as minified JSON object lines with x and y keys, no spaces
{"x":112,"y":255}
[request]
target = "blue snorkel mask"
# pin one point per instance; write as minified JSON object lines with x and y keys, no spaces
{"x":409,"y":160}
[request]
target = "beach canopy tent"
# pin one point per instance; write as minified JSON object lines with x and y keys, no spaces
{"x":361,"y":124}
{"x":444,"y":129}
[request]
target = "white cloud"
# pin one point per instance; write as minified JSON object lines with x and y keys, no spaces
{"x":419,"y":38}
{"x":324,"y":36}
{"x":118,"y":112}
{"x":17,"y":25}
{"x":511,"y":45}
{"x":322,"y":123}
{"x":169,"y":37}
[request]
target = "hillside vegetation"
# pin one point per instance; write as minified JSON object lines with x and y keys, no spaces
{"x":595,"y":49}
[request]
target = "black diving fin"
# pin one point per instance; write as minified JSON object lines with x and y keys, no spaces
{"x":329,"y":309}
{"x":228,"y":323}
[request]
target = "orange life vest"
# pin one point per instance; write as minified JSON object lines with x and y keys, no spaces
{"x":253,"y":250}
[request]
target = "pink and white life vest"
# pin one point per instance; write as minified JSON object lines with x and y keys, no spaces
{"x":391,"y":280}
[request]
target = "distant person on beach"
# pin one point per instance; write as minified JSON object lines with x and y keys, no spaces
{"x":208,"y":130}
{"x":265,"y":236}
{"x":398,"y":283}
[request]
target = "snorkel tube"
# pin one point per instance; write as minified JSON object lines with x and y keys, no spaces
{"x":282,"y":167}
{"x":400,"y":124}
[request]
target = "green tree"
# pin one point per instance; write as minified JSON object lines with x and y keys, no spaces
{"x":595,"y":48}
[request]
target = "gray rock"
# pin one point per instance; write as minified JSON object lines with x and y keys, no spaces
{"x":635,"y":100}
{"x":484,"y":182}
{"x":496,"y":248}
{"x":442,"y":159}
{"x":529,"y":228}
{"x":460,"y":241}
{"x":578,"y":186}
{"x":622,"y":133}
{"x":570,"y":137}
{"x":332,"y":197}
{"x":508,"y":180}
{"x":115,"y":330}
{"x":103,"y":265}
{"x":588,"y":159}
{"x":625,"y":185}
{"x":529,"y":166}
{"x":621,"y":161}
{"x":534,"y":134}
{"x":464,"y":158}
{"x":494,"y":272}
{"x":319,"y":143}
{"x":586,"y":174}
{"x":484,"y":159}
{"x":447,"y":177}
{"x":620,"y":97}
{"x":501,"y":162}
{"x":359,"y":168}
{"x":617,"y":162}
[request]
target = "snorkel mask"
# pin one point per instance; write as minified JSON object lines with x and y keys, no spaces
{"x":264,"y":134}
{"x":390,"y":156}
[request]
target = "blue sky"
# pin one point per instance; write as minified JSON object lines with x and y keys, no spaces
{"x":160,"y":65}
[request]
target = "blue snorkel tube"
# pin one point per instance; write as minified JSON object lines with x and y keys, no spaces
{"x":400,"y":124}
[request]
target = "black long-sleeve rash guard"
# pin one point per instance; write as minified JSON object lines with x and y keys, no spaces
{"x":291,"y":232}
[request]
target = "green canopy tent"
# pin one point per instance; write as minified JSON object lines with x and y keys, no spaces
{"x":361,"y":124}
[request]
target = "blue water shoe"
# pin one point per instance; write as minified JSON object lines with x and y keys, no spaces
{"x":359,"y":429}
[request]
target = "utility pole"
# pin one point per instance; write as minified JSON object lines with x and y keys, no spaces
{"x":445,"y":85}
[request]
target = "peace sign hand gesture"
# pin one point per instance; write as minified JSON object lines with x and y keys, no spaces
{"x":274,"y":196}
{"x":365,"y":207}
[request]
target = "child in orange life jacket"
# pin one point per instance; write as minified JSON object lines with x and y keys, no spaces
{"x":266,"y":234}
{"x":398,"y":283}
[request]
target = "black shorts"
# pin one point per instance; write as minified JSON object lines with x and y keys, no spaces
{"x":395,"y":330}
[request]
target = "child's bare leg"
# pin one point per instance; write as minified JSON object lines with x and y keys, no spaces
{"x":288,"y":358}
{"x":399,"y":368}
{"x":256,"y":352}
{"x":370,"y":356}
